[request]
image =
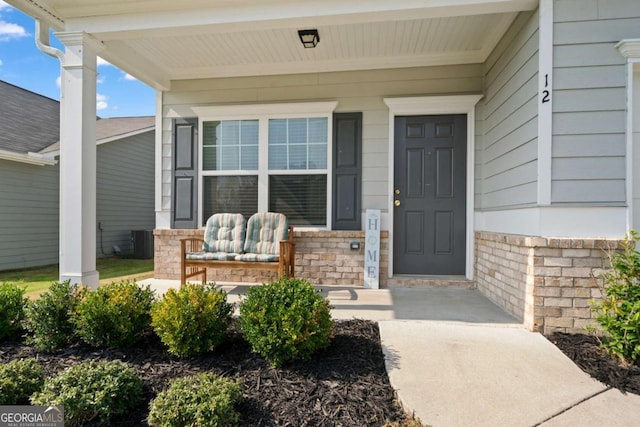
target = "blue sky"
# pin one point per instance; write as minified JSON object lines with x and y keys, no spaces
{"x":23,"y":65}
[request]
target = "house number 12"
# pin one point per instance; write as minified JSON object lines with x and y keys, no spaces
{"x":546,"y":94}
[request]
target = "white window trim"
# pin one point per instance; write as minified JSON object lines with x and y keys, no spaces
{"x":432,"y":105}
{"x":262,"y":113}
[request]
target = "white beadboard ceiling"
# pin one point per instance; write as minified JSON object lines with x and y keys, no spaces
{"x":159,"y":41}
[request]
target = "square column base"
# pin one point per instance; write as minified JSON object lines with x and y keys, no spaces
{"x":90,"y":279}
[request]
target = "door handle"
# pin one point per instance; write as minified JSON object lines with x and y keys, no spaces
{"x":396,"y":202}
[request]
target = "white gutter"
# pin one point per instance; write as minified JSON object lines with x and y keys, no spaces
{"x":43,"y":42}
{"x":30,"y":158}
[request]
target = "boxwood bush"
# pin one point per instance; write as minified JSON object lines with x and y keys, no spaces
{"x":285,"y":320}
{"x":115,"y":315}
{"x":19,"y":379}
{"x":12,"y":304}
{"x":619,"y":310}
{"x":193,"y":319}
{"x":50,"y":319}
{"x":203,"y":400}
{"x":92,"y":390}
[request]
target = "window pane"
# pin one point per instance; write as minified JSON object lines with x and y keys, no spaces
{"x":209,"y":158}
{"x":249,"y":157}
{"x":302,"y":198}
{"x":230,"y":158}
{"x":278,"y":157}
{"x":229,"y":132}
{"x":209,"y":151}
{"x":249,"y":132}
{"x":297,"y":132}
{"x":230,"y":194}
{"x":317,"y":156}
{"x":318,"y":130}
{"x":277,"y":131}
{"x":304,"y":140}
{"x":297,"y":156}
{"x":221,"y":145}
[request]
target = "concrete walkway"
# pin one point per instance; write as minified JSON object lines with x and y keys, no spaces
{"x":456,"y":359}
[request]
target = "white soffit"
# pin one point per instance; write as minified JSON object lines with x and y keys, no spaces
{"x":162,"y":40}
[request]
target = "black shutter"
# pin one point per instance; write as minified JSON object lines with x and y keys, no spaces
{"x":347,"y":171}
{"x":185,"y":174}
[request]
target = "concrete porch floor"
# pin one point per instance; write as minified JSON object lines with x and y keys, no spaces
{"x":452,"y":304}
{"x":456,"y":359}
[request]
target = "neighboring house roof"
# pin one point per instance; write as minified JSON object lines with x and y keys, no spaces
{"x":110,"y":129}
{"x":36,"y":141}
{"x":28,"y":122}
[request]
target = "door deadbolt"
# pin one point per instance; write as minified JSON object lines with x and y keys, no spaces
{"x":397,"y":191}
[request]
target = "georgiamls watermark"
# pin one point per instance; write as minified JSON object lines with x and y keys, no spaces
{"x":31,"y":416}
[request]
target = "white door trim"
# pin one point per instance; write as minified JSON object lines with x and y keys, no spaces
{"x":434,"y":105}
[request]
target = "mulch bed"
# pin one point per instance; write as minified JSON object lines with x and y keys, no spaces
{"x":344,"y":385}
{"x":585,"y":352}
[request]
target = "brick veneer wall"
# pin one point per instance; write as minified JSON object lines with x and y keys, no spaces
{"x":322,"y":257}
{"x":545,"y":282}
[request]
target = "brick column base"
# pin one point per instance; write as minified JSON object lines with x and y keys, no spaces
{"x":547,"y":283}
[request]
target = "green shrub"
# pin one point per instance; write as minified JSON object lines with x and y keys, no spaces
{"x":12,"y":304}
{"x":192,"y":320}
{"x":19,"y":379}
{"x":619,"y":310}
{"x":114,"y":315}
{"x":285,"y":320}
{"x":92,"y":390}
{"x":203,"y":400}
{"x":50,"y":318}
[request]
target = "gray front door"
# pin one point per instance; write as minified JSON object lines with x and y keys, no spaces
{"x":429,"y":230}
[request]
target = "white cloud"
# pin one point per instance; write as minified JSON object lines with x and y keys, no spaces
{"x":101,"y":102}
{"x":59,"y":82}
{"x":128,"y":76}
{"x":10,"y":31}
{"x":102,"y":62}
{"x":101,"y":79}
{"x":0,"y":62}
{"x":3,"y":5}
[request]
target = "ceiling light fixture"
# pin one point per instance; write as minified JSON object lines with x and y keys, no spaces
{"x":309,"y":38}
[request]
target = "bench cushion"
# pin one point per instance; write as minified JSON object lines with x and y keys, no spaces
{"x":225,"y":232}
{"x":264,"y":232}
{"x":257,"y":257}
{"x":210,"y":256}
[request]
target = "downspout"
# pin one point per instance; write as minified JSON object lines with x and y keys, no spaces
{"x":43,"y":42}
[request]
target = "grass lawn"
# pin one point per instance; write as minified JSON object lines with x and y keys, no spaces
{"x":38,"y":279}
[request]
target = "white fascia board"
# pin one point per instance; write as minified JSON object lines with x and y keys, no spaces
{"x":39,"y":11}
{"x":235,"y":16}
{"x":29,"y":158}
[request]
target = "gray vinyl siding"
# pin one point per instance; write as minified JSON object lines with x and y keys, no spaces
{"x":358,"y":91}
{"x":507,"y":121}
{"x":28,"y":215}
{"x":125,"y":191}
{"x":589,"y":100}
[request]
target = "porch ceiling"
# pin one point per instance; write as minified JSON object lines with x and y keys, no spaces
{"x":159,"y":41}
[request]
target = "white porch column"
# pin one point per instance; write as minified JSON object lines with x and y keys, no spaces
{"x":78,"y":160}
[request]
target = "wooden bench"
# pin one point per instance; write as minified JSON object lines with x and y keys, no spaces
{"x":264,"y":242}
